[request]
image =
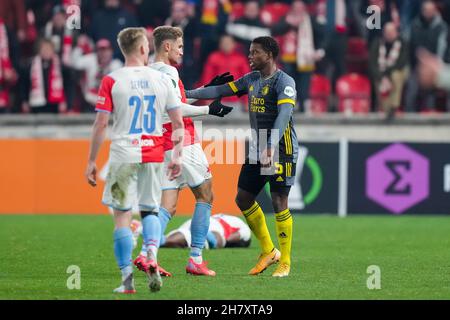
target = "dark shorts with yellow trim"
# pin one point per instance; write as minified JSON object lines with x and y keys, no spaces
{"x":252,"y":178}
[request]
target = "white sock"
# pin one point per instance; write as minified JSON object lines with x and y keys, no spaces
{"x":197,"y":259}
{"x":143,"y":251}
{"x":153,"y":250}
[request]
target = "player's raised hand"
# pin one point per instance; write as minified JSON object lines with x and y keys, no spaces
{"x":221,"y":79}
{"x":216,"y":108}
{"x":91,"y":173}
{"x":174,"y":169}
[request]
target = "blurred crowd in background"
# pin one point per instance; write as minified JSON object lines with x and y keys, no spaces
{"x":343,"y":57}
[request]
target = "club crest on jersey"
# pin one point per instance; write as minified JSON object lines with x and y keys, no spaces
{"x":251,"y":88}
{"x":265,"y":90}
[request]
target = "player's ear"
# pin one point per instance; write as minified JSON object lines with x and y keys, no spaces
{"x":166,"y":46}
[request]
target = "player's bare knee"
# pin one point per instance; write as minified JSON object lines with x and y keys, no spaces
{"x":279,"y":203}
{"x":243,"y":202}
{"x":203,"y":193}
{"x":172,"y":210}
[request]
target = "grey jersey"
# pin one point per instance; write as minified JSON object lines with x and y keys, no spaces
{"x":265,"y":97}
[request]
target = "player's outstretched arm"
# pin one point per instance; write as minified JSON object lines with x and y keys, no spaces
{"x":218,"y":80}
{"x":210,"y":92}
{"x":189,"y":110}
{"x":216,"y":108}
{"x":238,"y":88}
{"x":97,"y":138}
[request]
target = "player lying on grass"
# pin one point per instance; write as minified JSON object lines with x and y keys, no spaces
{"x":137,"y":97}
{"x":168,"y":43}
{"x":225,"y":231}
{"x":271,"y":98}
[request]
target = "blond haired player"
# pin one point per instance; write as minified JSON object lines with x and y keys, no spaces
{"x":196,"y":173}
{"x":137,"y":97}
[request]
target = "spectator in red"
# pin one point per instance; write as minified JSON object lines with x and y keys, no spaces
{"x":60,"y":34}
{"x":43,"y":87}
{"x":95,"y":66}
{"x":14,"y":17}
{"x":223,"y":60}
{"x":62,"y":37}
{"x":8,"y":75}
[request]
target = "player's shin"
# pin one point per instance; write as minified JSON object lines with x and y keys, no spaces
{"x":151,"y":231}
{"x":164,"y":218}
{"x":199,"y":229}
{"x":257,"y":223}
{"x":283,"y":225}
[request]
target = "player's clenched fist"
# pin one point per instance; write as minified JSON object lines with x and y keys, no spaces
{"x":216,"y":108}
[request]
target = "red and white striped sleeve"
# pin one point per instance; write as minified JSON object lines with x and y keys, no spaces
{"x":104,"y":98}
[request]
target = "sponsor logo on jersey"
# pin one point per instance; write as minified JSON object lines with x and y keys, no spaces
{"x":142,"y":143}
{"x":257,"y":105}
{"x":101,"y":100}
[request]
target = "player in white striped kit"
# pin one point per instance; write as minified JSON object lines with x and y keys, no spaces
{"x":137,"y":97}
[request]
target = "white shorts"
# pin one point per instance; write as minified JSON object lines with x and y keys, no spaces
{"x":128,"y":182}
{"x":195,"y":168}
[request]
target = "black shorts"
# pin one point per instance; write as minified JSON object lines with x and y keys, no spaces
{"x":252,"y":179}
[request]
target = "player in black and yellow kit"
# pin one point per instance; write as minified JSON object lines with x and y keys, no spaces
{"x":273,"y":149}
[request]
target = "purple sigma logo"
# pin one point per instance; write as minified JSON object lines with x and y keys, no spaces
{"x":397,"y":178}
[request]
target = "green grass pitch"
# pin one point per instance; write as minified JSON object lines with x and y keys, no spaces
{"x":330,"y":260}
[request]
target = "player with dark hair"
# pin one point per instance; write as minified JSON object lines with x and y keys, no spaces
{"x":273,"y":149}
